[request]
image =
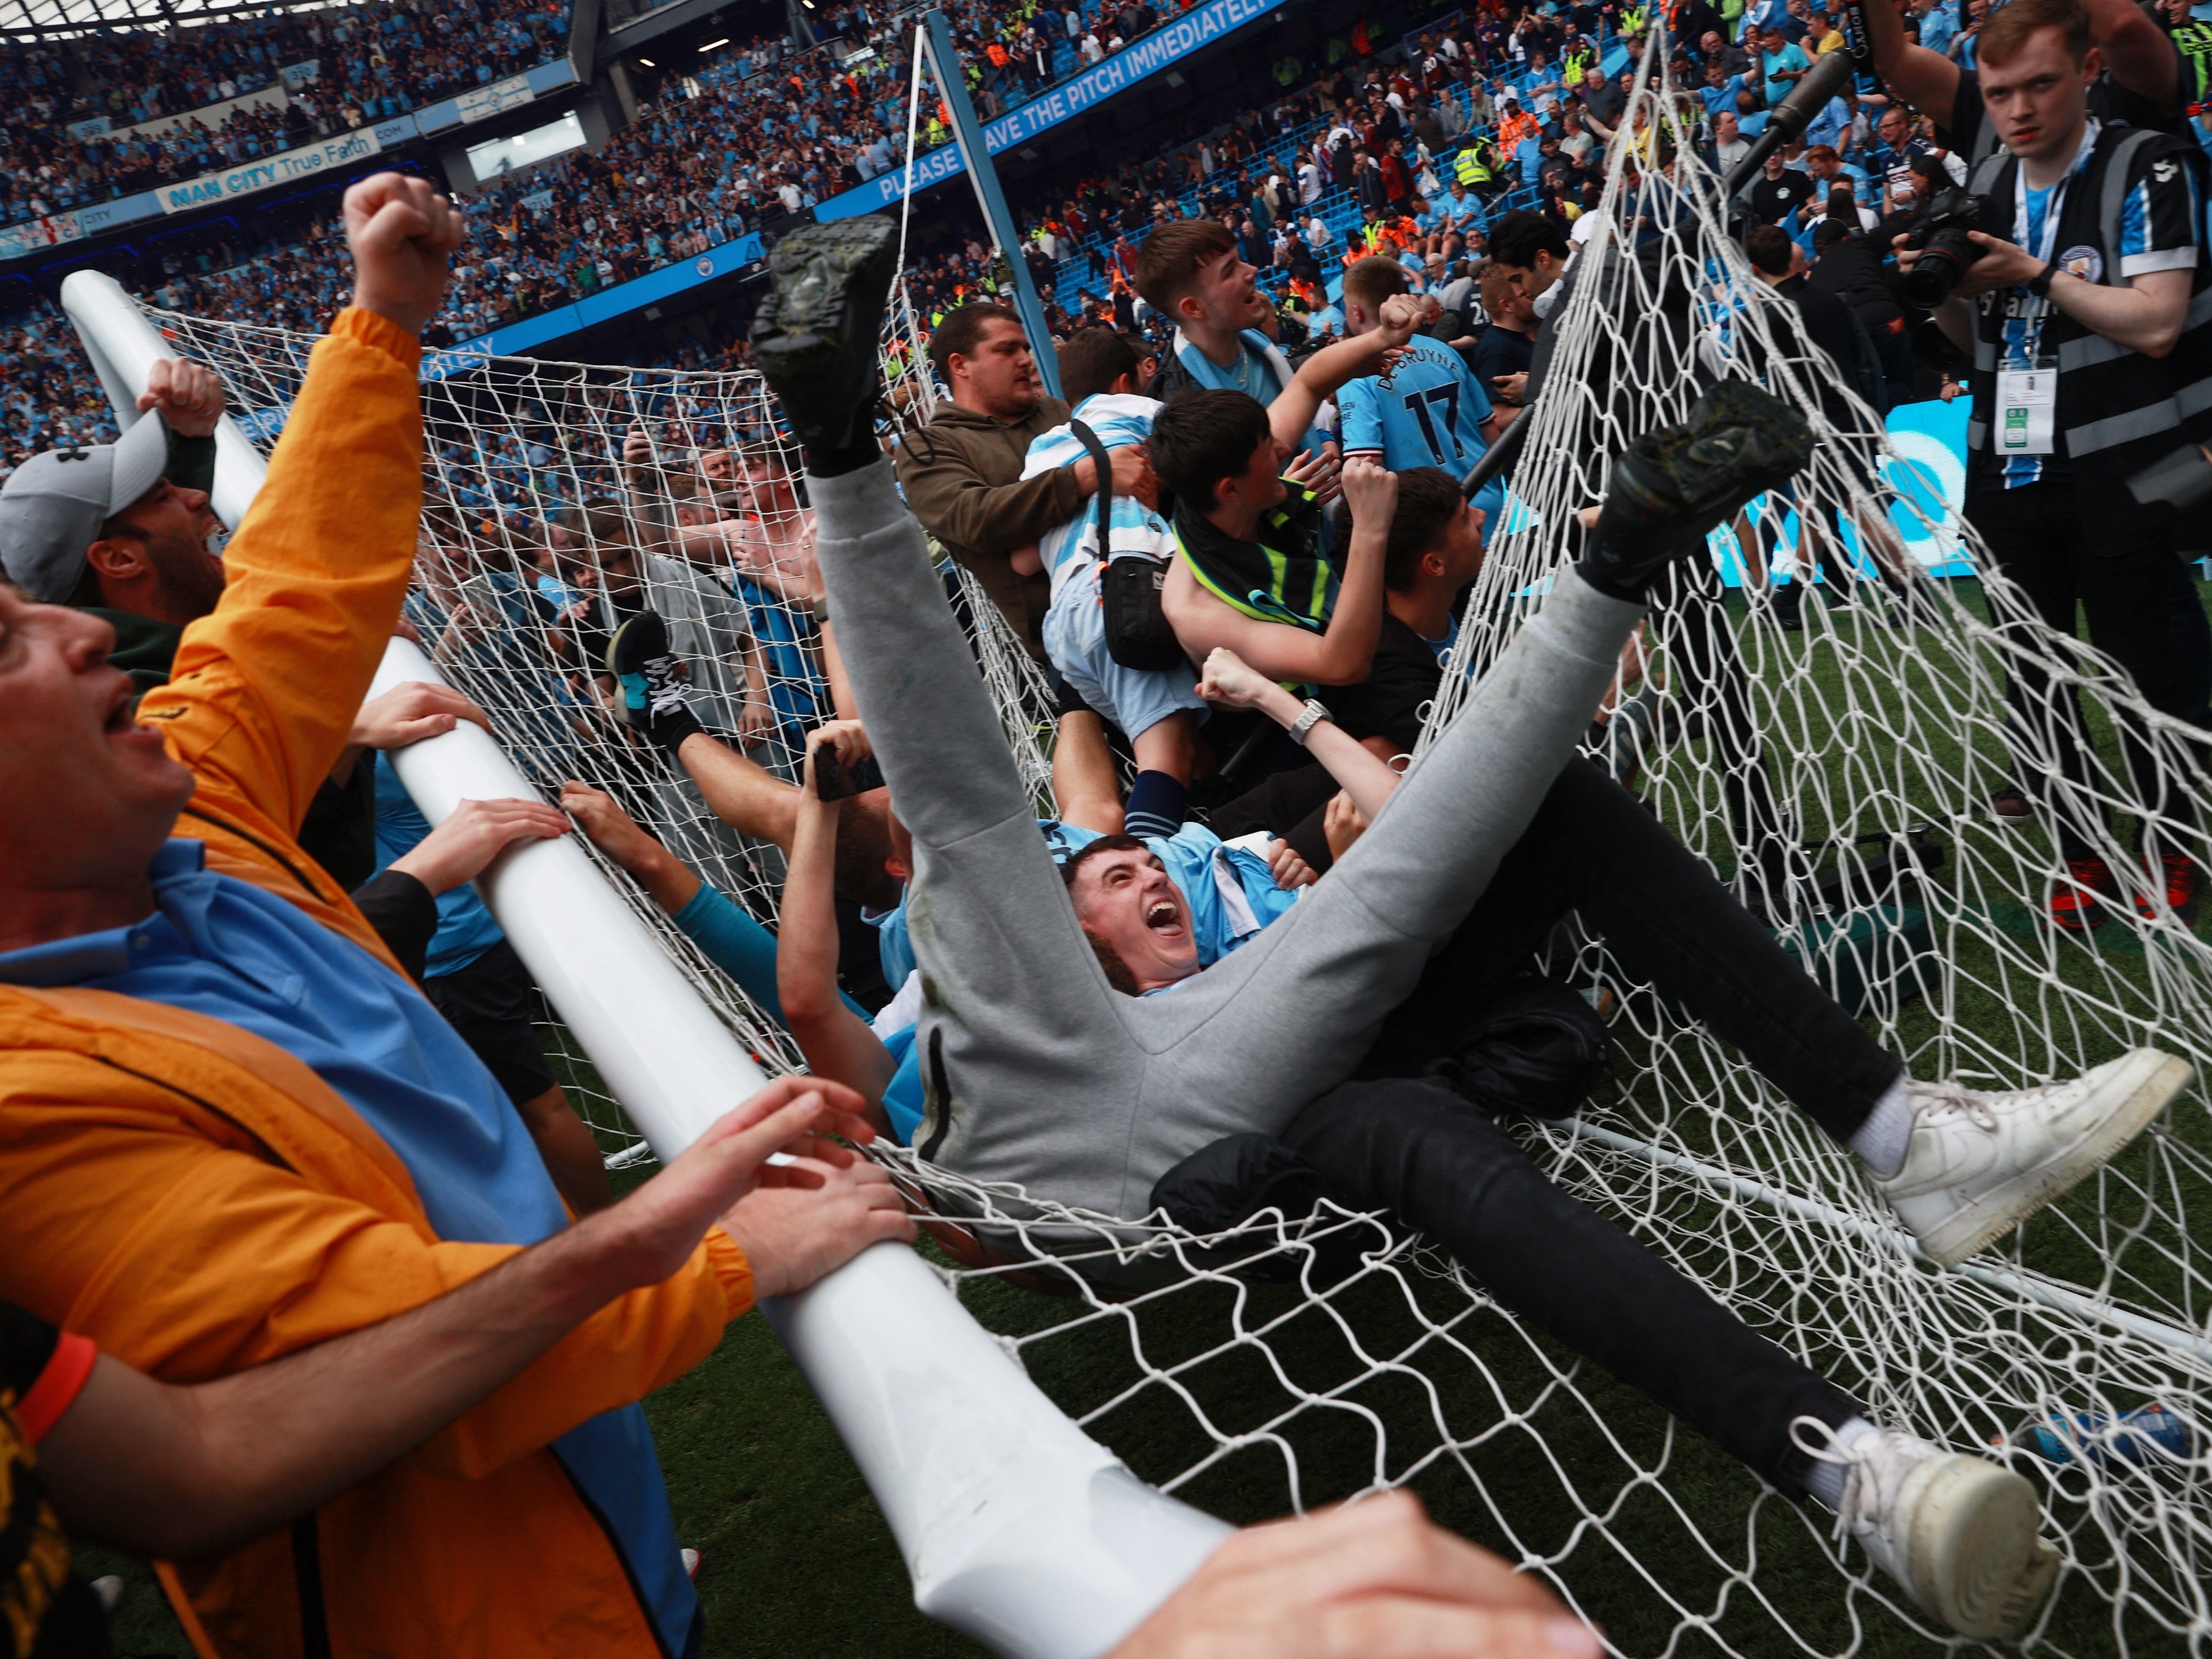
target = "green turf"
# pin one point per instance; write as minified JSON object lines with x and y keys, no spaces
{"x":798,"y":1560}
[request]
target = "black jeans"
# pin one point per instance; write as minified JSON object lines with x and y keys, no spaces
{"x":1593,"y":849}
{"x":2142,"y":611}
{"x":1411,"y":1145}
{"x":1395,"y":1139}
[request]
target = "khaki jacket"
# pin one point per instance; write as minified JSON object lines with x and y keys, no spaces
{"x":963,"y":477}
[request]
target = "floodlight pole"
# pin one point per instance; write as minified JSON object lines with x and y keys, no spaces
{"x":944,"y":63}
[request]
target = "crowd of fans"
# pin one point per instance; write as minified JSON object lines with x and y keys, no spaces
{"x":687,"y":609}
{"x":1305,"y":182}
{"x":70,"y":142}
{"x":50,"y":397}
{"x":754,"y":135}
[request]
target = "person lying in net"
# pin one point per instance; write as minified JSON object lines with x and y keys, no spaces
{"x":1228,"y":893}
{"x":1040,"y":1072}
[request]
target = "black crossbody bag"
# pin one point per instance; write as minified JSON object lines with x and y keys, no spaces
{"x":1137,"y":632}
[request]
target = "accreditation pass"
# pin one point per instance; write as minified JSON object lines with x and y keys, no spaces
{"x":2028,"y":400}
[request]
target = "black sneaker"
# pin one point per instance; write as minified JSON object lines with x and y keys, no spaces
{"x":1673,"y":486}
{"x":817,"y":334}
{"x":652,"y":700}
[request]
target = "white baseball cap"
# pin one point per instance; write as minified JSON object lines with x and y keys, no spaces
{"x":52,"y":507}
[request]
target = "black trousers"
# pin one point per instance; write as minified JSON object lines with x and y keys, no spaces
{"x":1593,"y":849}
{"x":1411,"y":1145}
{"x":1395,"y":1139}
{"x":2142,"y":611}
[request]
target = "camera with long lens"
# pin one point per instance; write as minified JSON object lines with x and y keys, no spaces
{"x":1939,"y":235}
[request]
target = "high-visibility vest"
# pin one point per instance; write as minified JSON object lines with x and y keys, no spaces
{"x":1469,"y":169}
{"x":2193,"y":41}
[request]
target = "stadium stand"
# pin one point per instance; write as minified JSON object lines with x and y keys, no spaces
{"x":50,"y":398}
{"x":114,"y":113}
{"x":744,"y":144}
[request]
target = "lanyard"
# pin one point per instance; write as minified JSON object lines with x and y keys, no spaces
{"x":2057,"y":204}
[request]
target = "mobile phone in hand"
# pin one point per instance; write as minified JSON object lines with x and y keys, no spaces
{"x":835,"y":781}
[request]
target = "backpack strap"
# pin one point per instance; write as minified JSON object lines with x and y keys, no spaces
{"x":1982,"y":179}
{"x":1099,"y":459}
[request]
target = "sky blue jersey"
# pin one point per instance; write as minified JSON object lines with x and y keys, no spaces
{"x":1430,"y":415}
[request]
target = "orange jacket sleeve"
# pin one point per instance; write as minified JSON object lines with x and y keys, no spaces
{"x":227,"y":1260}
{"x":264,"y":691}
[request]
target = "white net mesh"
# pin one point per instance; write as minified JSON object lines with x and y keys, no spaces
{"x":1342,"y":1355}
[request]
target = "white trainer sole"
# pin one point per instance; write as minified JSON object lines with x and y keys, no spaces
{"x":2151,"y":1079}
{"x":1971,"y":1545}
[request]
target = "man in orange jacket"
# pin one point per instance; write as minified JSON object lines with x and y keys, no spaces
{"x":231,"y":1129}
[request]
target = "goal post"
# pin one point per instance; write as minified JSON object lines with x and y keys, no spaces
{"x":1017,"y":1527}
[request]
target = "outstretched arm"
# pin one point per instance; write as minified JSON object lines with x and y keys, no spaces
{"x":187,"y":1472}
{"x":1926,"y":80}
{"x":672,"y":883}
{"x":1368,"y":779}
{"x":262,"y":698}
{"x":836,"y":1041}
{"x":1343,"y":653}
{"x":833,"y":671}
{"x":1293,"y":410}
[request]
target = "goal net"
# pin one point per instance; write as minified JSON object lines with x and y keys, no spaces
{"x":1839,"y":775}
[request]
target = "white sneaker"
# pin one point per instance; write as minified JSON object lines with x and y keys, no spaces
{"x":1958,"y":1532}
{"x":1979,"y":1164}
{"x":690,"y":1562}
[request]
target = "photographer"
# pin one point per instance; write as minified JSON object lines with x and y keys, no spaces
{"x":2079,"y":321}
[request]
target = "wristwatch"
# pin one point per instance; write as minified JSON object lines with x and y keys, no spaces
{"x":2040,"y":284}
{"x":1309,"y":717}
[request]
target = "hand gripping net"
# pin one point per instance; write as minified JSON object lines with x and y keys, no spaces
{"x":1341,"y":1357}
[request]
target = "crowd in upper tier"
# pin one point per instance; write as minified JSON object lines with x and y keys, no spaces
{"x":758,"y":139}
{"x":101,"y":116}
{"x":756,"y":134}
